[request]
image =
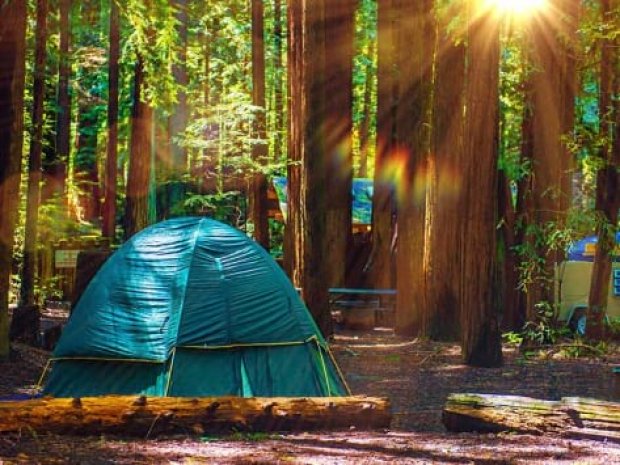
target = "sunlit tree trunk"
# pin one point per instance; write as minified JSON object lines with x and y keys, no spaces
{"x":12,"y":70}
{"x":111,"y":174}
{"x":445,"y":181}
{"x":139,"y":176}
{"x":305,"y":229}
{"x":481,"y":343}
{"x":258,"y":196}
{"x":607,"y":182}
{"x":551,"y":169}
{"x":415,"y":41}
{"x":338,"y":123}
{"x":380,"y":263}
{"x":34,"y":159}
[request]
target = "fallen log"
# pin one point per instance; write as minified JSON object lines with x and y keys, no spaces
{"x":152,"y":416}
{"x":571,"y":416}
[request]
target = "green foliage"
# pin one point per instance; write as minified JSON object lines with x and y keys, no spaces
{"x":544,"y":329}
{"x":229,"y":207}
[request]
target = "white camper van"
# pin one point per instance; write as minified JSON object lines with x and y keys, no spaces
{"x":573,"y":284}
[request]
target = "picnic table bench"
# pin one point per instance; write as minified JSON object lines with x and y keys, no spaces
{"x":363,"y":308}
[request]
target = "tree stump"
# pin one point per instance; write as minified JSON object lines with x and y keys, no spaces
{"x":25,"y":325}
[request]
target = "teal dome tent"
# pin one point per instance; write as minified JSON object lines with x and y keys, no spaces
{"x":192,"y":307}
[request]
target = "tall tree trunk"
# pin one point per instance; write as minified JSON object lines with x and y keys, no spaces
{"x":111,"y":173}
{"x":258,"y":195}
{"x":306,"y":223}
{"x":380,"y":263}
{"x":551,"y":167}
{"x":607,"y":182}
{"x":12,"y":71}
{"x":278,"y":85}
{"x":338,"y":123}
{"x":415,"y":26}
{"x":34,"y":159}
{"x":444,"y":186}
{"x":364,"y":129}
{"x":139,"y":176}
{"x":56,"y":173}
{"x":481,"y":343}
{"x":178,"y":118}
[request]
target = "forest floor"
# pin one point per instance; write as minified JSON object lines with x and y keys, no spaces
{"x":417,"y":377}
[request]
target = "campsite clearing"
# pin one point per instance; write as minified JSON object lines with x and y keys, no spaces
{"x":416,"y":376}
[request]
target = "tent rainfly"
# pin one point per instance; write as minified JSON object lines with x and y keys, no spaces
{"x":192,"y":307}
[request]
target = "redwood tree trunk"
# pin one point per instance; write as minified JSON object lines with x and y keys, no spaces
{"x":138,"y":179}
{"x":34,"y":159}
{"x":481,"y":342}
{"x":12,"y":70}
{"x":338,"y":123}
{"x":607,"y":183}
{"x":380,"y":263}
{"x":305,"y":228}
{"x":444,"y":189}
{"x":414,"y":62}
{"x":551,"y":167}
{"x":109,"y":205}
{"x":258,"y":196}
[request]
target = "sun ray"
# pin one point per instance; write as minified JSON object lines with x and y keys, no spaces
{"x":519,"y":8}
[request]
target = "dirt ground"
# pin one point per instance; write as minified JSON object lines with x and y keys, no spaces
{"x":416,"y":376}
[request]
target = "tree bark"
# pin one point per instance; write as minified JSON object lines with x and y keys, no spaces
{"x":415,"y":26}
{"x":111,"y":174}
{"x":572,"y":417}
{"x":550,"y":179}
{"x":338,"y":123}
{"x":34,"y":159}
{"x":380,"y":265}
{"x":480,"y":338}
{"x":306,"y":222}
{"x":12,"y":74}
{"x":607,"y":183}
{"x":139,"y":176}
{"x":258,"y":196}
{"x":142,"y":416}
{"x":444,"y":186}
